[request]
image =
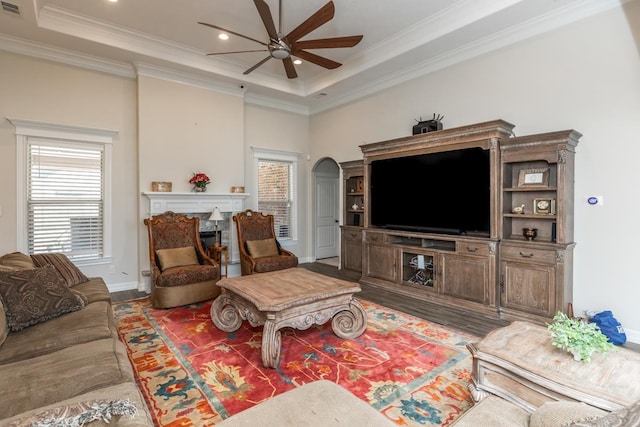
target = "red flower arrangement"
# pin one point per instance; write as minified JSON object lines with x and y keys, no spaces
{"x":199,"y":179}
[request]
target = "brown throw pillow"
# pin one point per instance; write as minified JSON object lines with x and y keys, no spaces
{"x":34,"y":296}
{"x":69,"y":272}
{"x":177,"y":257}
{"x":264,"y":247}
{"x":16,"y":261}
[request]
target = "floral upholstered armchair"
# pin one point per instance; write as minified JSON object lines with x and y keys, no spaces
{"x":181,"y":271}
{"x":259,"y":249}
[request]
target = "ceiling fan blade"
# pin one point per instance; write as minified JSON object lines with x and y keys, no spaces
{"x":237,"y":51}
{"x":257,"y":65}
{"x":267,"y":19}
{"x":318,"y":60}
{"x":289,"y":68}
{"x":322,"y":16}
{"x":335,"y":42}
{"x":232,"y":32}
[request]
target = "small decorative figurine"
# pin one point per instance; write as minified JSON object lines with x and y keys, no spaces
{"x":518,"y":209}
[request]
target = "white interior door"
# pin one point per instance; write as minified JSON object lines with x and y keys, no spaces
{"x":327,"y":215}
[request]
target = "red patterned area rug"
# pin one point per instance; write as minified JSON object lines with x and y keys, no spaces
{"x":192,"y":374}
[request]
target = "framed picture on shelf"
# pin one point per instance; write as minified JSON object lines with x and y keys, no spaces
{"x":544,"y":206}
{"x":533,"y":178}
{"x":360,"y":185}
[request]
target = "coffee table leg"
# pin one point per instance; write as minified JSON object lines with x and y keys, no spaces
{"x":225,"y":315}
{"x":350,"y":323}
{"x":271,"y":341}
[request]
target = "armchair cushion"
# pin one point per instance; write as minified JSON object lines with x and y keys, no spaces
{"x":275,"y":262}
{"x":187,"y":274}
{"x":177,"y":257}
{"x":261,"y":248}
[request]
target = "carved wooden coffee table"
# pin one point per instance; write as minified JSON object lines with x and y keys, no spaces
{"x":296,"y":298}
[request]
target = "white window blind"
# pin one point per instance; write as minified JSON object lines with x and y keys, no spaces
{"x":65,"y":198}
{"x":275,"y":194}
{"x":276,"y":175}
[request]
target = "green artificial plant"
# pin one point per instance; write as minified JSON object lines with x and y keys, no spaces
{"x":578,"y":337}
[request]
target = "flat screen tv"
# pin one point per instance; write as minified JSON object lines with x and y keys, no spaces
{"x":446,"y":192}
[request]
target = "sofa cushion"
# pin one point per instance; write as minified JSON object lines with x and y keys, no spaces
{"x":4,"y":326}
{"x":177,"y":257}
{"x":495,"y":412}
{"x":16,"y":261}
{"x":563,"y":413}
{"x":316,"y":404}
{"x":70,"y":407}
{"x":70,"y":372}
{"x":261,"y":248}
{"x":69,"y":272}
{"x":34,"y":296}
{"x":94,"y":290}
{"x":94,"y":322}
{"x":627,"y":417}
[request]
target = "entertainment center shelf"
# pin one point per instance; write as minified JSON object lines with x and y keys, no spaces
{"x":478,"y":259}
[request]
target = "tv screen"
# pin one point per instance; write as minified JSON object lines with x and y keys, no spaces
{"x":447,"y":192}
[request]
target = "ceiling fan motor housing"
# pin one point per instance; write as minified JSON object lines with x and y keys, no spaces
{"x":279,"y":49}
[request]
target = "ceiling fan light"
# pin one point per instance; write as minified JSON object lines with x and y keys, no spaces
{"x":280,"y":53}
{"x":297,"y":61}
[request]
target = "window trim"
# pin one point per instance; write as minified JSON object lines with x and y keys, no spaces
{"x":26,"y":129}
{"x":282,"y":156}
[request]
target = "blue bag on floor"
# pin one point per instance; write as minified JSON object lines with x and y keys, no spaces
{"x":610,"y":327}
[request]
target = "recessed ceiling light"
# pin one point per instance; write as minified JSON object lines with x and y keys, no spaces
{"x":297,"y":62}
{"x":113,"y":1}
{"x":223,"y":36}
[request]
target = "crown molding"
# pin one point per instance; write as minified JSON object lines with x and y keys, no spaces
{"x":54,"y":54}
{"x":167,"y":74}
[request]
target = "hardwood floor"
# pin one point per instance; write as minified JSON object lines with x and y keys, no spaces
{"x":461,"y":320}
{"x":457,"y":319}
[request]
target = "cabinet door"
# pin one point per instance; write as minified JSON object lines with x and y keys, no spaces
{"x":381,"y":262}
{"x":466,"y":277}
{"x":528,"y":287}
{"x":352,"y":250}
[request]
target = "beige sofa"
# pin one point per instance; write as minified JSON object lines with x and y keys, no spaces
{"x":61,"y":359}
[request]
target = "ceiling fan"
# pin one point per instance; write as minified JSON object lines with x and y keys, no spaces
{"x":284,"y":47}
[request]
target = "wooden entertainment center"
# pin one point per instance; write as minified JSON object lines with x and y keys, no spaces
{"x":499,"y":273}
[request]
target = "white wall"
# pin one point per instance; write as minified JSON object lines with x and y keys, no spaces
{"x":186,"y":129}
{"x":43,"y":91}
{"x":279,"y":130}
{"x":586,"y":77}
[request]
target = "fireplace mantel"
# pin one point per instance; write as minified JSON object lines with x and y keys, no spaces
{"x":160,"y":202}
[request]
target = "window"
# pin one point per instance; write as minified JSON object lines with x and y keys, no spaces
{"x":64,"y":181}
{"x":276,"y":172}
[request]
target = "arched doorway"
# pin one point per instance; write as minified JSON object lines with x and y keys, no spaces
{"x":326,"y":208}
